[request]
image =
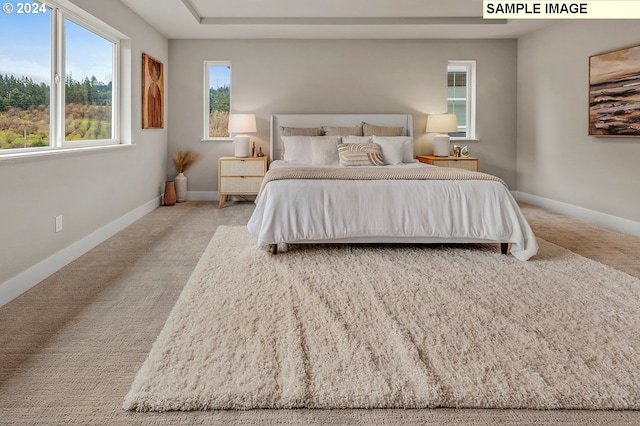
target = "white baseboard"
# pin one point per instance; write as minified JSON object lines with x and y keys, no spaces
{"x":603,"y":219}
{"x":202,"y":196}
{"x":22,"y":282}
{"x":213,"y":196}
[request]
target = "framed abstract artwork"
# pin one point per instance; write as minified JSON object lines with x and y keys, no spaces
{"x":152,"y":93}
{"x":614,"y":93}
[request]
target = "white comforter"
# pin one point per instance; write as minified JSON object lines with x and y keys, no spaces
{"x":390,"y":211}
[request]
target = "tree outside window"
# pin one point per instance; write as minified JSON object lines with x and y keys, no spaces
{"x":78,"y":105}
{"x":218,"y":84}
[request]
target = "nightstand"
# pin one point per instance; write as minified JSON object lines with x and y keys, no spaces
{"x":467,"y":163}
{"x":240,"y":176}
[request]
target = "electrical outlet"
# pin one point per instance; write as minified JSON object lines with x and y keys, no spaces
{"x":58,"y":223}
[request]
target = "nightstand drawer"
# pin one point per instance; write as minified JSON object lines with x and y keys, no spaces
{"x":466,"y":163}
{"x":242,"y":168}
{"x":240,"y":185}
{"x":240,"y":176}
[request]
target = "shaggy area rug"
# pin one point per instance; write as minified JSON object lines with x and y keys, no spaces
{"x":394,"y":326}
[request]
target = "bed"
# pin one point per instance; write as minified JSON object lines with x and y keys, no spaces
{"x":307,"y":201}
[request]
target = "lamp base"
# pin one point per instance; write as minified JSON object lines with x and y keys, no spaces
{"x":241,"y":146}
{"x":441,"y":147}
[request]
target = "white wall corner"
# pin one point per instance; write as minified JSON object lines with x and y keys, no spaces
{"x":22,"y":282}
{"x":602,"y":219}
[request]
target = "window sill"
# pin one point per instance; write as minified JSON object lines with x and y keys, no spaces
{"x":45,"y":154}
{"x":465,"y":140}
{"x":217,"y":140}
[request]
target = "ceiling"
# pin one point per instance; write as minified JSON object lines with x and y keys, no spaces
{"x":326,"y":19}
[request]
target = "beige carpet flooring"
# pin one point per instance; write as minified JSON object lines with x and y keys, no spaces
{"x":71,"y":346}
{"x":395,"y":327}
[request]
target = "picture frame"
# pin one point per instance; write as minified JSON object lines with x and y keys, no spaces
{"x":152,"y":93}
{"x":614,"y":93}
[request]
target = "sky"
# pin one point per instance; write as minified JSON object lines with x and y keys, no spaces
{"x":25,"y":41}
{"x":219,"y":77}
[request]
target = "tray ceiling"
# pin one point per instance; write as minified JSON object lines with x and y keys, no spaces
{"x":326,"y":19}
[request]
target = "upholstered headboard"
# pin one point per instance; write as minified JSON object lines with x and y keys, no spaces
{"x":332,"y":120}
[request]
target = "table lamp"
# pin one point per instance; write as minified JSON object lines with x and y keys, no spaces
{"x":241,"y":124}
{"x":442,"y":124}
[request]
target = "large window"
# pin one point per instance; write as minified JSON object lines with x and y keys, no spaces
{"x":89,"y":96}
{"x":57,"y":79}
{"x":461,"y":97}
{"x":217,"y":97}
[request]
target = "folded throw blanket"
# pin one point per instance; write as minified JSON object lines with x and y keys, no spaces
{"x":375,"y":173}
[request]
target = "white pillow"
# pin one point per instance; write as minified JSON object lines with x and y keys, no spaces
{"x":356,"y":139}
{"x":405,"y":142}
{"x":324,"y":150}
{"x":391,"y":150}
{"x":297,"y":149}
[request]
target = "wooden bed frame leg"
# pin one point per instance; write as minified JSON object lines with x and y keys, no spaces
{"x":504,"y":248}
{"x":274,"y":249}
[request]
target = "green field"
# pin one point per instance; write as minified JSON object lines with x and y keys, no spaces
{"x":25,"y":116}
{"x":219,"y":124}
{"x":26,"y":128}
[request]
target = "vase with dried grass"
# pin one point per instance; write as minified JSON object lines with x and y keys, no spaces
{"x":182,"y":160}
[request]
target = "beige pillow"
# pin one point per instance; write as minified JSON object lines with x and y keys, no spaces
{"x":301,"y":131}
{"x":371,"y":130}
{"x":343,"y":131}
{"x":360,"y":154}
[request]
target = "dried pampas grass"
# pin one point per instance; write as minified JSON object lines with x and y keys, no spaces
{"x":183,"y":160}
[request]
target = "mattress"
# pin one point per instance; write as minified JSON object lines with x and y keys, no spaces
{"x":389,"y":211}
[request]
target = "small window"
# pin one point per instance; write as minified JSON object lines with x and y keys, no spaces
{"x":461,"y":97}
{"x":217,"y":99}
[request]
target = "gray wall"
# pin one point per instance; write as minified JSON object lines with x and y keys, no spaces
{"x":342,"y":76}
{"x":556,"y":158}
{"x":90,"y":189}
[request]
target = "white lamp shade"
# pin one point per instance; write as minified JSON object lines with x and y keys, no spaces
{"x":442,"y":123}
{"x":242,"y":123}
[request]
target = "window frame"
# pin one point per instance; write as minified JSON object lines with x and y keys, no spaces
{"x":206,"y":88}
{"x":469,"y":67}
{"x":115,"y":99}
{"x":61,"y":10}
